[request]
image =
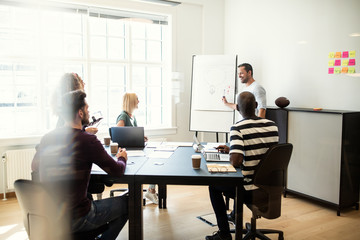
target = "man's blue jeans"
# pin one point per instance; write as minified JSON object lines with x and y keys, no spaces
{"x":112,"y":210}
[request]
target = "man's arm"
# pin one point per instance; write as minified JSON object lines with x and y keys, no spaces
{"x":260,"y":97}
{"x":236,"y":159}
{"x":262,"y":112}
{"x":105,"y":161}
{"x":230,"y":105}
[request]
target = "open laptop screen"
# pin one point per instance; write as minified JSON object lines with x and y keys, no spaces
{"x":128,"y":137}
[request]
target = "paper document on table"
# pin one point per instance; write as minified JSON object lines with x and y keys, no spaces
{"x":160,"y":154}
{"x":211,"y":147}
{"x":179,"y":144}
{"x":135,"y":153}
{"x":153,"y":144}
{"x":166,"y":148}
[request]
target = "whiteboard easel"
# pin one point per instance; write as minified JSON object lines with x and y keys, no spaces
{"x":213,"y":76}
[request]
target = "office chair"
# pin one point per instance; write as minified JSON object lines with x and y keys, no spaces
{"x":44,"y":217}
{"x":270,"y":177}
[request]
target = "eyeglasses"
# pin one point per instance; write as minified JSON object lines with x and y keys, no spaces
{"x":218,"y":170}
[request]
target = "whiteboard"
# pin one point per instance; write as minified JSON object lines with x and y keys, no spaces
{"x":213,"y":76}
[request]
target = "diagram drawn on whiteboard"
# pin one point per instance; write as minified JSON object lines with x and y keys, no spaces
{"x":212,"y":79}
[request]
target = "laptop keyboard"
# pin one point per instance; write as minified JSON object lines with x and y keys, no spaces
{"x":213,"y":156}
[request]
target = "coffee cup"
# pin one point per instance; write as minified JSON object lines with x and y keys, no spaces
{"x":107,"y":141}
{"x":114,"y":148}
{"x":196,"y":161}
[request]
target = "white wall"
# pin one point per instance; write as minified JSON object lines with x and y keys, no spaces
{"x":268,"y":35}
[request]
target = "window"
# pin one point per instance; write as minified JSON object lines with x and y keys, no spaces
{"x":113,"y":51}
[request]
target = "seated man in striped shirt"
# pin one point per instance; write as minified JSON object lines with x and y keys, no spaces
{"x":250,"y":138}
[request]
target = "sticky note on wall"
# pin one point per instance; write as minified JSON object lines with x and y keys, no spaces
{"x":338,"y":55}
{"x":344,"y":70}
{"x":351,"y":62}
{"x":331,"y":71}
{"x":331,"y":54}
{"x":345,"y":54}
{"x":345,"y":62}
{"x":352,"y":54}
{"x":331,"y":63}
{"x":337,"y":62}
{"x":337,"y":70}
{"x":351,"y":70}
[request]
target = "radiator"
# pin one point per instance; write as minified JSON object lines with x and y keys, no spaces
{"x":17,"y":165}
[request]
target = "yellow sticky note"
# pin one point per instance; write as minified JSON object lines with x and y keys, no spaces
{"x":338,"y":55}
{"x":351,"y":70}
{"x":345,"y":62}
{"x":331,"y":63}
{"x":331,"y":55}
{"x":352,"y":54}
{"x":344,"y":70}
{"x":337,"y":70}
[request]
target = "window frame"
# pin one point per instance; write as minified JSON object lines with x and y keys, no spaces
{"x":86,"y":61}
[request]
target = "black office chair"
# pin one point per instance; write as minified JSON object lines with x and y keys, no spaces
{"x":270,"y":177}
{"x":45,"y":217}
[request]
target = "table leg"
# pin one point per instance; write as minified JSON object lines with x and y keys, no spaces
{"x":162,"y":195}
{"x":135,"y":211}
{"x":239,"y":200}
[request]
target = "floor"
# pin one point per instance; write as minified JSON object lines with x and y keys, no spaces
{"x":301,"y":218}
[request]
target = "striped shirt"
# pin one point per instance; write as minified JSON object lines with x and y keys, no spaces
{"x":252,"y":138}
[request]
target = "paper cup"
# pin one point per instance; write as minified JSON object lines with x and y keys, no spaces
{"x":107,"y":141}
{"x":196,"y":161}
{"x":114,"y":148}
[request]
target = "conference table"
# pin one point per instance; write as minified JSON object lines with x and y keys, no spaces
{"x":175,"y":170}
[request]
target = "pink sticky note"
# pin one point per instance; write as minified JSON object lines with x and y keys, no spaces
{"x":345,"y":54}
{"x":331,"y":70}
{"x":337,"y":62}
{"x":351,"y":62}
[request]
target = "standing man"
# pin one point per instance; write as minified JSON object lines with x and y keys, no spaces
{"x":63,"y":162}
{"x":245,"y":72}
{"x":250,"y":138}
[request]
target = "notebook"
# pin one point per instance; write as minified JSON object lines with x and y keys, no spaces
{"x":128,"y":137}
{"x":216,"y":157}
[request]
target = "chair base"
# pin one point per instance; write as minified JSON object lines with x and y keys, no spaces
{"x":252,"y":233}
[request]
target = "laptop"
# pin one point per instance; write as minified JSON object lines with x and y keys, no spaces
{"x":216,"y":157}
{"x":128,"y":137}
{"x":210,"y":156}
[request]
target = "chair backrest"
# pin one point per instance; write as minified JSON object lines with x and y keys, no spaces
{"x":270,"y":177}
{"x":44,"y":217}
